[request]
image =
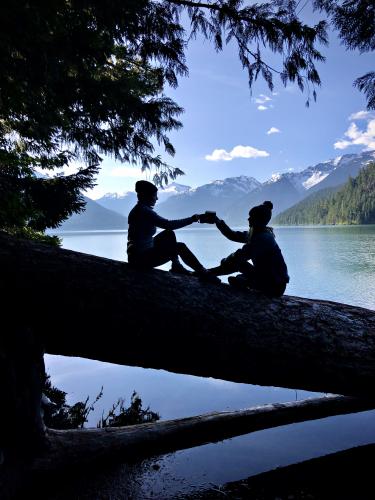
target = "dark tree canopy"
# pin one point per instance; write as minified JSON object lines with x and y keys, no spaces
{"x":78,"y":80}
{"x":86,"y":78}
{"x":355,"y":22}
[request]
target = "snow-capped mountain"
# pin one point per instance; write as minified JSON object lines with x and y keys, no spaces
{"x":219,"y":193}
{"x":286,"y":189}
{"x":281,"y":191}
{"x":242,"y":184}
{"x":345,"y":166}
{"x":307,"y":178}
{"x":310,"y":176}
{"x":120,"y":203}
{"x":335,"y":171}
{"x":123,"y":203}
{"x":232,"y":198}
{"x":171,"y":190}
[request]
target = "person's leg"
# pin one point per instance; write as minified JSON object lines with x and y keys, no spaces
{"x":248,"y":270}
{"x":166,"y":245}
{"x":246,"y":278}
{"x":263,"y":283}
{"x":188,"y":257}
{"x":218,"y":271}
{"x":165,"y":242}
{"x":166,"y":248}
{"x":232,"y":267}
{"x":190,"y":260}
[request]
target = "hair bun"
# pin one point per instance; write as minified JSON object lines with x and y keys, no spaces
{"x":268,"y":204}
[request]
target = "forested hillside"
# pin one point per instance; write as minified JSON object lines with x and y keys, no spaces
{"x":353,"y":203}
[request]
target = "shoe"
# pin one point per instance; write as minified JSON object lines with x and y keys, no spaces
{"x":180,"y":269}
{"x":207,"y":276}
{"x":239,"y":282}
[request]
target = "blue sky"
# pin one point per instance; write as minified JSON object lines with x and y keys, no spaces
{"x":229,"y":132}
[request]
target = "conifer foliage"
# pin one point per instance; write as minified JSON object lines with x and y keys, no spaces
{"x":85,"y":78}
{"x":353,"y":203}
{"x":355,"y":22}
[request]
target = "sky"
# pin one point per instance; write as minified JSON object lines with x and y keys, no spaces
{"x":229,"y":131}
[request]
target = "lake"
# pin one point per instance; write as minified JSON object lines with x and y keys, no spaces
{"x":326,"y":262}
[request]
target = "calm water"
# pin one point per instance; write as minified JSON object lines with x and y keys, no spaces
{"x":333,"y":263}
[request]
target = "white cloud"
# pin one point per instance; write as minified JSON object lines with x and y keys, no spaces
{"x":357,"y":137}
{"x":360,"y":115}
{"x":262,"y":99}
{"x":219,"y":155}
{"x":273,"y":130}
{"x":341,"y":144}
{"x":127,"y":172}
{"x":247,"y":152}
{"x":237,"y":152}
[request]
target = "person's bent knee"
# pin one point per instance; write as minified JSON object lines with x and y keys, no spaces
{"x":168,"y":235}
{"x":180,"y":246}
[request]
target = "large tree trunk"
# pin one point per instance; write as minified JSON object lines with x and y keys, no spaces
{"x":92,"y":307}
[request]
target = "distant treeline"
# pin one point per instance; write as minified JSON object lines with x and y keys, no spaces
{"x":352,"y":203}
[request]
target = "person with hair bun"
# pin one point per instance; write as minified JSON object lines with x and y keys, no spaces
{"x":146,"y":251}
{"x":268,"y":271}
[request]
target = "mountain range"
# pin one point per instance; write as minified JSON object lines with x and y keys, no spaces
{"x":94,"y":217}
{"x":218,"y":196}
{"x":231,"y":198}
{"x":123,"y":203}
{"x":351,"y":203}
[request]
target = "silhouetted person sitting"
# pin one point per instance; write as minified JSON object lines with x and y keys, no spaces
{"x":146,"y":251}
{"x":268,"y":272}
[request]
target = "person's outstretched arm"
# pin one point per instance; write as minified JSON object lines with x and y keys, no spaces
{"x":239,"y":236}
{"x":172,"y":224}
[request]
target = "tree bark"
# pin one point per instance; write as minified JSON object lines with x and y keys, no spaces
{"x":70,"y":451}
{"x":71,"y":447}
{"x":87,"y":306}
{"x":21,"y":378}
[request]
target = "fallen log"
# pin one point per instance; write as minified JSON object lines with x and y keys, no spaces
{"x":87,"y":306}
{"x":85,"y":446}
{"x":72,"y":450}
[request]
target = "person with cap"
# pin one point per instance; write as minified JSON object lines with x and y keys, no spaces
{"x":268,"y":272}
{"x":146,"y":251}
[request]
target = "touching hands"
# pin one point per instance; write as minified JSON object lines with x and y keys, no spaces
{"x":208,"y":217}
